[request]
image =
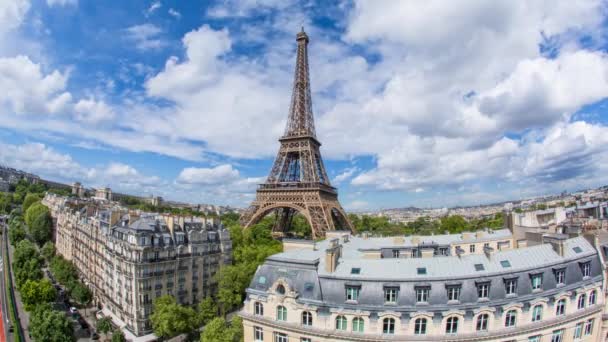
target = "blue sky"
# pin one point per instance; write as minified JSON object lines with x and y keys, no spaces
{"x":416,"y":103}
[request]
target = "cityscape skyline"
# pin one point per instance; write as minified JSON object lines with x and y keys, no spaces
{"x":187,"y":101}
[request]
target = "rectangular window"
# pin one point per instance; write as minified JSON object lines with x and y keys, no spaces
{"x":422,"y":294}
{"x":557,"y":335}
{"x":511,"y":286}
{"x":586,"y":269}
{"x":483,"y":291}
{"x":535,"y":338}
{"x":258,"y":334}
{"x":560,"y":277}
{"x":589,"y":327}
{"x":537,"y":282}
{"x":352,"y":293}
{"x":280,"y":337}
{"x":395,"y":253}
{"x":578,"y":331}
{"x":390,"y":294}
{"x":472,"y":248}
{"x":305,"y":339}
{"x":453,"y":293}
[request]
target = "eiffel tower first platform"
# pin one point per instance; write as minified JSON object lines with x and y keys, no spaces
{"x":298,"y":182}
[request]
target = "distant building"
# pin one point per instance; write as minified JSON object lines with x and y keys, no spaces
{"x":129,"y":258}
{"x":4,"y":186}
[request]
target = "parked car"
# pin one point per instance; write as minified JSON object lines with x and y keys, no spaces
{"x":99,"y":315}
{"x":73,"y":310}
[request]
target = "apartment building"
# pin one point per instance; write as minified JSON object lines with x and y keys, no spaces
{"x":128,"y":258}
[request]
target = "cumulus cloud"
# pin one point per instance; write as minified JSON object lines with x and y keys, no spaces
{"x":221,"y":174}
{"x":174,"y":13}
{"x":52,"y":3}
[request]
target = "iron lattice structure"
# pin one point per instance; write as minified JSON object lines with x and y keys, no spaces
{"x":298,"y":182}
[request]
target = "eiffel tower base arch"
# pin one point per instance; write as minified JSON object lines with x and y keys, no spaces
{"x":321,"y":209}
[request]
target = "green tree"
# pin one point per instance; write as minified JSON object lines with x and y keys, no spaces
{"x":207,"y":310}
{"x":104,"y":325}
{"x":48,"y":251}
{"x":24,"y":251}
{"x":29,"y":200}
{"x":454,"y":224}
{"x":6,"y":201}
{"x":63,"y":270}
{"x":81,"y":294}
{"x":35,"y":292}
{"x":29,"y":270}
{"x":219,"y":331}
{"x":16,"y":233}
{"x":170,"y":319}
{"x":50,"y":325}
{"x":118,"y":336}
{"x":39,"y":222}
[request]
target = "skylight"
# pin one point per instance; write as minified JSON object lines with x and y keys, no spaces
{"x":479,"y":267}
{"x":355,"y":270}
{"x":421,"y":270}
{"x":577,"y":249}
{"x":505,"y":263}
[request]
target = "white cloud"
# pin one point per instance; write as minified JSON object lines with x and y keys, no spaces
{"x":145,"y":36}
{"x":345,"y":175}
{"x":92,"y":111}
{"x":153,"y":7}
{"x":12,"y":13}
{"x":27,"y":90}
{"x":52,"y":3}
{"x":174,"y":13}
{"x":221,"y":174}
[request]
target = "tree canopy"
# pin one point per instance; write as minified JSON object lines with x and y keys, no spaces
{"x":39,"y":221}
{"x":218,"y":330}
{"x":50,"y":325}
{"x":170,"y":319}
{"x":35,"y":292}
{"x":30,"y":199}
{"x":207,"y":310}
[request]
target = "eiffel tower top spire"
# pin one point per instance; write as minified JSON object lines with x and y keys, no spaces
{"x":301,"y":121}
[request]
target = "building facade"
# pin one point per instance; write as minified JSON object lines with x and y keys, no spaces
{"x":129,"y":258}
{"x":353,"y":288}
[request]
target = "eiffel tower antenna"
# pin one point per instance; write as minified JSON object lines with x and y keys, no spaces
{"x":298,"y":182}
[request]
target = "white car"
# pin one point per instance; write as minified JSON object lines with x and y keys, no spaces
{"x":73,"y":310}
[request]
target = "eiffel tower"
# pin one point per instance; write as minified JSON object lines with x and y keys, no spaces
{"x":298,"y":182}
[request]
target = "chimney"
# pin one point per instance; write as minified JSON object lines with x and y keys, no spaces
{"x":556,"y":241}
{"x":487,"y":250}
{"x":332,"y":255}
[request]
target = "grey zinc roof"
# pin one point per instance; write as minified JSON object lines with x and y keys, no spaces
{"x":438,"y":267}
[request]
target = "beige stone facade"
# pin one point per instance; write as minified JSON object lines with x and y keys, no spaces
{"x":130,"y":258}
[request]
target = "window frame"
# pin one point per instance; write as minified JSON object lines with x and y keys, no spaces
{"x":581,"y":301}
{"x":511,"y":318}
{"x":258,"y":334}
{"x":420,"y":325}
{"x":258,"y":309}
{"x":560,"y":276}
{"x":451,"y":290}
{"x":388,"y":326}
{"x":359,"y":326}
{"x":281,"y":313}
{"x":422,"y":294}
{"x":511,"y":286}
{"x":391,"y":294}
{"x":451,"y":325}
{"x":480,"y":290}
{"x":341,"y":323}
{"x":481,"y":324}
{"x":560,"y":307}
{"x":306,"y":318}
{"x":537,"y":316}
{"x":588,"y":330}
{"x":592,"y":297}
{"x":352,"y":292}
{"x":536,"y":281}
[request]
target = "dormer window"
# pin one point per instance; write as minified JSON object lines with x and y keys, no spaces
{"x":280,"y":289}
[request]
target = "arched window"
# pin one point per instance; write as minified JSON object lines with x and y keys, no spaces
{"x":281,"y":313}
{"x":510,"y":318}
{"x":560,"y":307}
{"x":258,"y":309}
{"x":388,"y":326}
{"x":582,"y":299}
{"x":306,"y":318}
{"x":537,"y":313}
{"x":592,"y":297}
{"x":482,"y":322}
{"x":358,"y":324}
{"x":420,"y":326}
{"x":341,"y":323}
{"x":451,"y":325}
{"x":281,"y":289}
